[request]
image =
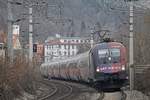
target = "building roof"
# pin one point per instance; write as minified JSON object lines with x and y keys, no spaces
{"x":57,"y":41}
{"x":73,"y":38}
{"x":63,"y":37}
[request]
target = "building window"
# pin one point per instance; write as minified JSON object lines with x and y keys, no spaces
{"x":62,"y":46}
{"x":60,"y":53}
{"x":72,"y":46}
{"x":65,"y":46}
{"x":73,"y":53}
{"x":77,"y":41}
{"x":65,"y":53}
{"x":47,"y":53}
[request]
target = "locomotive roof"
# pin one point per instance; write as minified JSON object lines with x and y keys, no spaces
{"x":109,"y":43}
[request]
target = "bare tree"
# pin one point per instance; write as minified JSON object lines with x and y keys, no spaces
{"x":83,"y":48}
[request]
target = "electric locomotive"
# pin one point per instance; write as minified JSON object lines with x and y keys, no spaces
{"x":109,"y":63}
{"x":103,"y":66}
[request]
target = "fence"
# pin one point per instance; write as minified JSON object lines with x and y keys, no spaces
{"x":139,"y":71}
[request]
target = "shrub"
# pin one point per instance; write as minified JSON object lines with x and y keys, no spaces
{"x":17,"y":77}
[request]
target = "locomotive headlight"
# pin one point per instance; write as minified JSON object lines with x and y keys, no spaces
{"x":123,"y":67}
{"x":97,"y":70}
{"x":109,"y":58}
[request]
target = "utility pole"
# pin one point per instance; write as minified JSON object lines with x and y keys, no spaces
{"x":131,"y":53}
{"x":9,"y":34}
{"x":31,"y":29}
{"x":92,"y":38}
{"x":30,"y":34}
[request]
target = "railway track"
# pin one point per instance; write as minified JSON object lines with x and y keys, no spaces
{"x":101,"y":96}
{"x":52,"y":91}
{"x":67,"y":91}
{"x":112,"y":96}
{"x":59,"y":90}
{"x":123,"y":95}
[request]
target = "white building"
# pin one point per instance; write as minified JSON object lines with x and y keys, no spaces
{"x":62,"y":47}
{"x":16,"y":42}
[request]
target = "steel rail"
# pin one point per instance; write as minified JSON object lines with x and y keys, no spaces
{"x":68,"y":94}
{"x":52,"y":93}
{"x":123,"y":95}
{"x":102,"y":95}
{"x":57,"y":90}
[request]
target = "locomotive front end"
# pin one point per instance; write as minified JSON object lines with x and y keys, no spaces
{"x":109,"y":63}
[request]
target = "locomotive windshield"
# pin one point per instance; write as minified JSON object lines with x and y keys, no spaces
{"x":115,"y":55}
{"x":103,"y":55}
{"x":109,"y":56}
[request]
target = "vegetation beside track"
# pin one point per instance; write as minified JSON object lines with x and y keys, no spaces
{"x":143,"y":82}
{"x":17,"y":78}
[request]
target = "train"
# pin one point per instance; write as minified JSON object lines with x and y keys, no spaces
{"x":103,"y":66}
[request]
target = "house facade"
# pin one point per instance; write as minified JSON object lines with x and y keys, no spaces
{"x":62,"y":47}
